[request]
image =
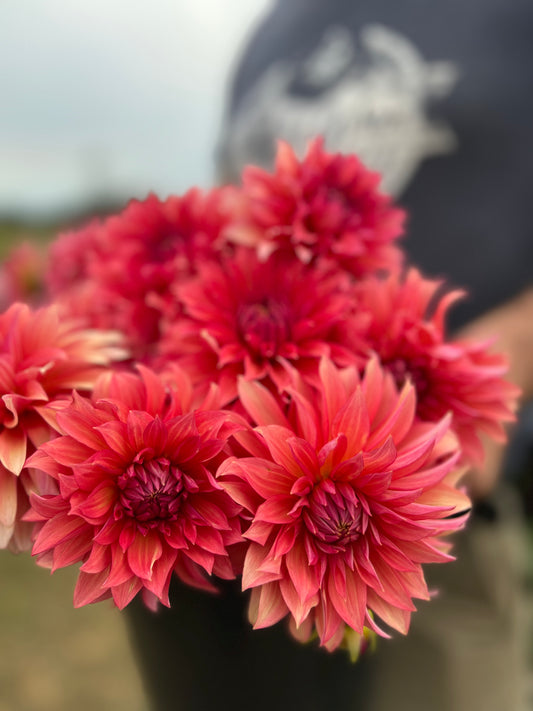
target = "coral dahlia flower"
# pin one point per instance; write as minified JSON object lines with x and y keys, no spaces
{"x":137,"y":495}
{"x":244,"y":316}
{"x":406,"y":328}
{"x":42,"y":358}
{"x":350,"y":494}
{"x":324,"y":206}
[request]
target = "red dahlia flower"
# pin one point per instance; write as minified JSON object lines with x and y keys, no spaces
{"x":118,"y":274}
{"x":350,"y":494}
{"x":137,"y":495}
{"x":405,"y":327}
{"x":41,"y":359}
{"x":324,"y":206}
{"x":242,"y":316}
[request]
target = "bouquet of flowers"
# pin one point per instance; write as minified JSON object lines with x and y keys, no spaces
{"x":245,"y":382}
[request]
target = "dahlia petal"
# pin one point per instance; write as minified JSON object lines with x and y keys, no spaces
{"x":264,"y":476}
{"x":251,"y":575}
{"x":98,"y":561}
{"x":8,"y":501}
{"x":119,"y":570}
{"x":64,"y":450}
{"x":13,"y":449}
{"x":150,"y":600}
{"x":136,"y":424}
{"x":192,"y":574}
{"x":260,"y":404}
{"x":143,"y":553}
{"x":443,"y":495}
{"x":123,"y":594}
{"x":304,"y":631}
{"x":259,"y":532}
{"x":241,"y":493}
{"x":81,"y":421}
{"x":98,"y":503}
{"x":286,"y":159}
{"x":252,"y":443}
{"x":393,"y":616}
{"x":90,"y":588}
{"x":334,"y":393}
{"x":365,"y":569}
{"x":425,"y":552}
{"x":305,"y":456}
{"x":212,"y":423}
{"x":397,"y":526}
{"x":276,"y":509}
{"x":72,"y":550}
{"x":351,"y":606}
{"x":276,"y":438}
{"x":285,"y":540}
{"x":304,"y":577}
{"x":38,"y":432}
{"x":408,"y":471}
{"x":209,"y":450}
{"x":162,"y":573}
{"x":156,"y":435}
{"x":155,"y":390}
{"x":393,"y":588}
{"x":115,"y":435}
{"x":201,"y":557}
{"x":352,"y":420}
{"x":57,"y":530}
{"x":298,"y":608}
{"x":381,"y":458}
{"x":306,"y":416}
{"x":44,"y":507}
{"x":393,"y":555}
{"x":224,"y":569}
{"x":374,"y":627}
{"x":210,"y":512}
{"x":184,"y":432}
{"x":266,"y":606}
{"x":210,"y":540}
{"x":127,"y":535}
{"x":328,"y":621}
{"x":400,"y":420}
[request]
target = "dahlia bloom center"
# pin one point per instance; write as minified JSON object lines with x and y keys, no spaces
{"x":334,"y":519}
{"x":151,"y":491}
{"x":403,"y":370}
{"x":264,"y":327}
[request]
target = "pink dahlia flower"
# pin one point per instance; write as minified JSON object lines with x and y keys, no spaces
{"x":243,"y":316}
{"x":42,"y":358}
{"x":350,"y":494}
{"x":118,"y":274}
{"x":325,"y":206}
{"x":405,"y":327}
{"x":137,"y":495}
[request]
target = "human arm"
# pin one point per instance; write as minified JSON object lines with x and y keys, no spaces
{"x":512,"y":326}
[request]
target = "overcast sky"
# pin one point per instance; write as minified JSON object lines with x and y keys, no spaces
{"x":112,"y":97}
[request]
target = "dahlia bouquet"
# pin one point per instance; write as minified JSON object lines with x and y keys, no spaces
{"x":246,"y":382}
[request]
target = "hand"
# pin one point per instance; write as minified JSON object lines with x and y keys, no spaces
{"x":511,"y":325}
